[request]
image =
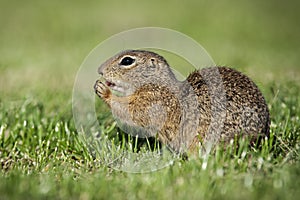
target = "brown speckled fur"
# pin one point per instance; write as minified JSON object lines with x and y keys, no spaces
{"x":246,"y":110}
{"x":222,"y":102}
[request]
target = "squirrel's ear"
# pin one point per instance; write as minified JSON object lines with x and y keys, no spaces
{"x":152,"y":63}
{"x":152,"y":67}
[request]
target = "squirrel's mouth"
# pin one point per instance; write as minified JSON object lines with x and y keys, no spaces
{"x":110,"y":84}
{"x":116,"y":88}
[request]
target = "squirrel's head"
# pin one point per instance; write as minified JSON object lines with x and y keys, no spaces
{"x":130,"y":69}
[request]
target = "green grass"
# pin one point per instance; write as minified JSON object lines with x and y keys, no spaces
{"x":42,"y":45}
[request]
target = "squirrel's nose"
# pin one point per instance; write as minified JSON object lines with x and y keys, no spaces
{"x":100,"y":70}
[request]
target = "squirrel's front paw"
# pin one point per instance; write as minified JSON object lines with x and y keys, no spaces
{"x":102,"y":90}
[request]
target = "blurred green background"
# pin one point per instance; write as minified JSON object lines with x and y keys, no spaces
{"x":43,"y":43}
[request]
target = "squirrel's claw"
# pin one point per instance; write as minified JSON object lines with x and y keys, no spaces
{"x":102,"y":90}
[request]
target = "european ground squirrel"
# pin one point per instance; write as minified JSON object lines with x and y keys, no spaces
{"x":213,"y":104}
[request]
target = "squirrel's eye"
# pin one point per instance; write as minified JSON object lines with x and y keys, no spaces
{"x":127,"y":61}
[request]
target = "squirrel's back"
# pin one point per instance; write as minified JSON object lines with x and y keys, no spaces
{"x":230,"y":104}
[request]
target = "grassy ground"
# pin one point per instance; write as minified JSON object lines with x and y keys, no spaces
{"x":42,"y":45}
